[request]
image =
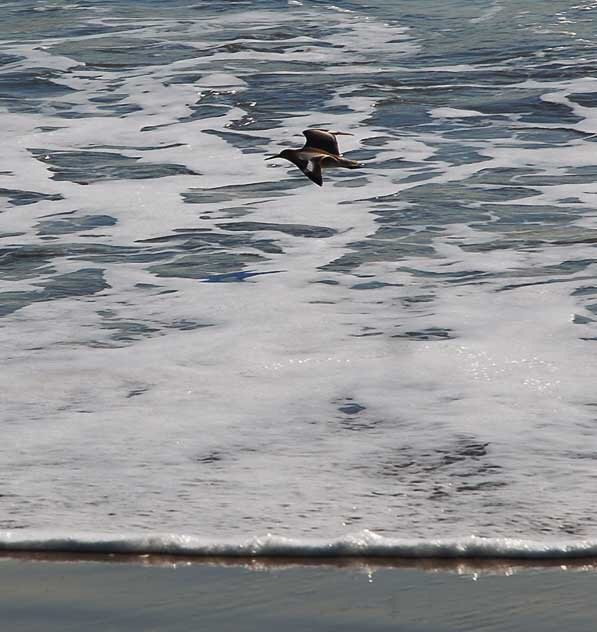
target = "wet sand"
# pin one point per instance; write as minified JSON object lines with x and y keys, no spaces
{"x":134,"y":594}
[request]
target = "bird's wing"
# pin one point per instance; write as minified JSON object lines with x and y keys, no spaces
{"x":321,"y":139}
{"x":313,"y":171}
{"x":311,"y":168}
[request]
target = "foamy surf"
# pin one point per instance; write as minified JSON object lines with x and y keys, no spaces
{"x":363,"y":544}
{"x":187,"y":331}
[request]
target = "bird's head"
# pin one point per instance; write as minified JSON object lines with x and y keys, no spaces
{"x":285,"y":153}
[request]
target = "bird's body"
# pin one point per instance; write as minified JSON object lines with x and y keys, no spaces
{"x":319,"y":151}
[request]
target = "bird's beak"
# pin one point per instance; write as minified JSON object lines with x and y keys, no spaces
{"x":272,"y":157}
{"x":341,"y":133}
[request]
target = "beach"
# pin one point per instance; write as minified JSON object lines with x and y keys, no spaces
{"x":166,"y":595}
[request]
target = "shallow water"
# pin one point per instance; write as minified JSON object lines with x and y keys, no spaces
{"x":175,"y":598}
{"x":198,"y":341}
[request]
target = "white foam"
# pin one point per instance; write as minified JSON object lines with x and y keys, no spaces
{"x":364,"y":544}
{"x":237,"y":428}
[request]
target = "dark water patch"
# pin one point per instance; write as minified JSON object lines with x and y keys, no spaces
{"x":121,"y":110}
{"x":418,"y":299}
{"x":373,"y":285}
{"x":515,"y":286}
{"x":185,"y":324}
{"x":585,"y":290}
{"x":115,"y":53}
{"x":486,"y":132}
{"x":74,"y":225}
{"x":327,"y":282}
{"x":234,"y":192}
{"x":237,"y":277}
{"x":86,"y":167}
{"x":502,"y":243}
{"x":7,"y":236}
{"x":274,"y":47}
{"x":209,"y":458}
{"x":6,"y":59}
{"x":125,"y":331}
{"x":366,"y":332}
{"x":350,"y":407}
{"x":502,"y":175}
{"x":109,"y":98}
{"x":22,"y":198}
{"x":584,"y":99}
{"x":296,"y":230}
{"x":137,"y":391}
{"x":84,"y":282}
{"x":450,"y":202}
{"x":522,"y":216}
{"x":247,"y":143}
{"x":549,"y":137}
{"x":570,"y":70}
{"x":531,"y":108}
{"x":352,"y":183}
{"x":389,"y":228}
{"x":66,"y":110}
{"x":453,"y":276}
{"x":271,"y":98}
{"x":138,"y":147}
{"x":199,"y":112}
{"x":376,"y":141}
{"x":374,"y":250}
{"x":420,"y":175}
{"x":48,"y":128}
{"x":481,"y":486}
{"x":580,"y":239}
{"x":148,"y":286}
{"x":451,"y":192}
{"x":151,"y":128}
{"x":249,"y":122}
{"x":527,"y":226}
{"x":19,"y":262}
{"x":456,"y":154}
{"x":354,"y":417}
{"x":187,"y":240}
{"x":574,"y":175}
{"x":426,"y":334}
{"x":592,"y":308}
{"x":394,"y":113}
{"x":578,"y":319}
{"x":26,"y":23}
{"x":31,"y":83}
{"x":206,"y":265}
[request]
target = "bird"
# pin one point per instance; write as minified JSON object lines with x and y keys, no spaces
{"x":320,"y":150}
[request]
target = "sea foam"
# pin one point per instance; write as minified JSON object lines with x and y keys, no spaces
{"x":363,"y":544}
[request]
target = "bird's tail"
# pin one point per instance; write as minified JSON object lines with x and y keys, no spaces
{"x":348,"y":164}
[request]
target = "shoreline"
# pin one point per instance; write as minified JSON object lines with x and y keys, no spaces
{"x":463,"y":565}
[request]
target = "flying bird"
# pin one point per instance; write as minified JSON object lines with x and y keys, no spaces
{"x":319,"y":151}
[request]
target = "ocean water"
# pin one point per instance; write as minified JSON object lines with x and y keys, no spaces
{"x":201,"y":349}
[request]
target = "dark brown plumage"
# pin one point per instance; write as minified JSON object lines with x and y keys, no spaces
{"x":319,"y":151}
